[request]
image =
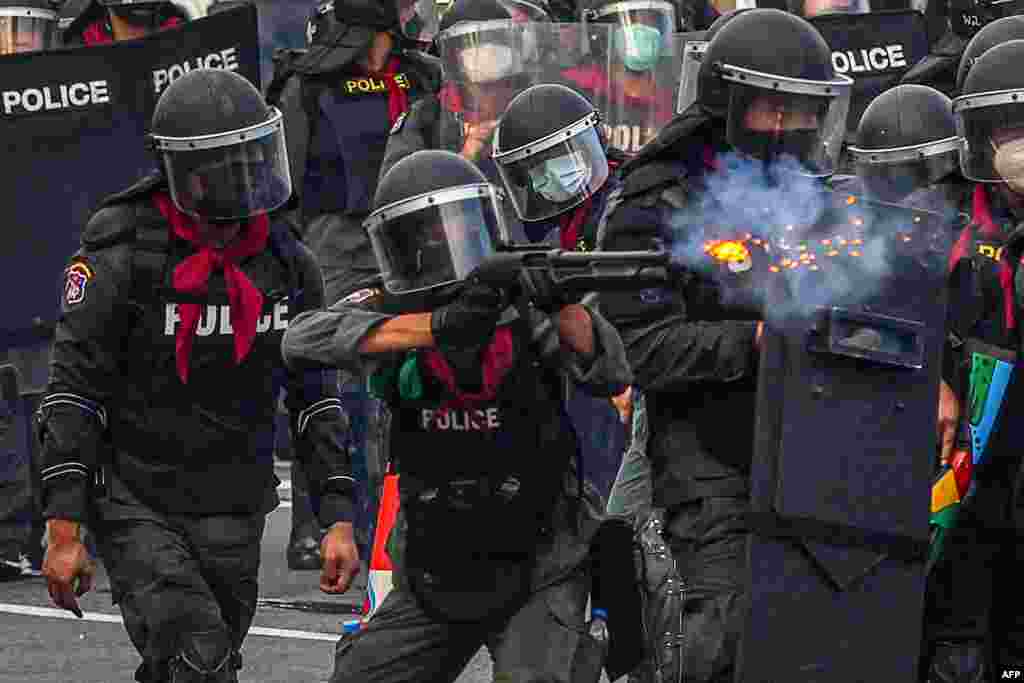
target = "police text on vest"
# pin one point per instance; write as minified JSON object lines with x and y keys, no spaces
{"x":460,"y":420}
{"x":217,"y":320}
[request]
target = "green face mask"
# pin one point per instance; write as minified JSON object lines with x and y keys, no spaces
{"x":638,"y":46}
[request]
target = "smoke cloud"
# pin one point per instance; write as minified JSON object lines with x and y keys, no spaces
{"x":802,"y":247}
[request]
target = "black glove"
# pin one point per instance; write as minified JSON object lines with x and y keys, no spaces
{"x":539,"y":289}
{"x":469,"y":321}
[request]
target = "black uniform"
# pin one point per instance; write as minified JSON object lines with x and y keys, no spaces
{"x":175,"y":478}
{"x":533,"y":625}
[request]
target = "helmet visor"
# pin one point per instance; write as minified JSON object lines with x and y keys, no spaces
{"x":487,"y":51}
{"x":992,"y":126}
{"x":555,"y":174}
{"x":632,"y":17}
{"x":418,"y":19}
{"x":433,"y":240}
{"x":26,"y":30}
{"x":523,"y":11}
{"x":230,"y":176}
{"x":774,"y":119}
{"x":891,"y":174}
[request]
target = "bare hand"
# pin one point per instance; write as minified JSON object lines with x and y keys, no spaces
{"x":67,"y":567}
{"x":758,"y":335}
{"x":340,"y":559}
{"x":624,"y":405}
{"x":949,"y":420}
{"x":576,"y":329}
{"x":477,"y":136}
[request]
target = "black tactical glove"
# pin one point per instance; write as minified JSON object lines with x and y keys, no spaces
{"x":470,"y":319}
{"x":542,"y":291}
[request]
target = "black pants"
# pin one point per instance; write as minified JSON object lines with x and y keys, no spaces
{"x":182,"y":583}
{"x":971,"y":600}
{"x":403,"y":644}
{"x":708,"y":541}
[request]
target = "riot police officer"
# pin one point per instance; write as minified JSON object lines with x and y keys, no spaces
{"x":165,"y":373}
{"x":550,"y":151}
{"x":972,"y":632}
{"x":340,"y":99}
{"x":907,"y":151}
{"x":491,"y":540}
{"x":104,"y":21}
{"x":769,"y":101}
{"x":488,"y":59}
{"x":27,"y":26}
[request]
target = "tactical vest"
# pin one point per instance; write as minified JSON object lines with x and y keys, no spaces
{"x":177,"y":444}
{"x":478,"y":485}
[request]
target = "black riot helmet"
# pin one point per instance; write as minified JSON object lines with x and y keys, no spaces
{"x":640,"y":32}
{"x":549,"y":150}
{"x":968,"y":17}
{"x":435,"y":219}
{"x":906,"y":141}
{"x":999,"y":31}
{"x":221,"y":146}
{"x":693,"y":54}
{"x":769,"y":74}
{"x":989,"y":116}
{"x":27,"y":26}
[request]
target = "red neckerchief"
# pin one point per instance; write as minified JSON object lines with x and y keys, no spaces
{"x":96,"y":33}
{"x":497,"y":361}
{"x":571,"y":224}
{"x":398,"y":99}
{"x":981,"y":218}
{"x":191,"y":276}
{"x":451,"y":100}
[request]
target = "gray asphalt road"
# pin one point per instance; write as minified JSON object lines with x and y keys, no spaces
{"x":41,"y":644}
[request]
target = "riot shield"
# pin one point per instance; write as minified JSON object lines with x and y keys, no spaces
{"x":875,"y":50}
{"x":633,"y":86}
{"x":73,"y":123}
{"x":844,"y":450}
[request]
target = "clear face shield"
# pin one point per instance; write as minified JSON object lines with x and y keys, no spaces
{"x":773,"y":118}
{"x":689,"y":71}
{"x":556,"y":173}
{"x":229,"y":176}
{"x":419,"y":19}
{"x":435,"y":239}
{"x":640,"y":31}
{"x":26,"y":29}
{"x":892,"y":174}
{"x":992,"y":127}
{"x":485,"y":65}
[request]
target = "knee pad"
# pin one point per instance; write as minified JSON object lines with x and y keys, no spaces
{"x":205,"y":657}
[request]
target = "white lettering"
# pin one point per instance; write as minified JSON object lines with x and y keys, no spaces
{"x":78,"y":100}
{"x":225,"y":320}
{"x":263,"y":324}
{"x":896,"y":58}
{"x":100,"y":92}
{"x":170,"y":318}
{"x":426,"y":417}
{"x":225,"y":59}
{"x":492,"y":418}
{"x":37,"y":98}
{"x":208,"y":323}
{"x":865,"y":60}
{"x":460,"y":420}
{"x":444,"y":419}
{"x":280,"y":316}
{"x":11,"y":99}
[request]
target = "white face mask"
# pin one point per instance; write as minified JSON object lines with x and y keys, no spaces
{"x":560,"y":179}
{"x":487,"y":63}
{"x":1009,"y":163}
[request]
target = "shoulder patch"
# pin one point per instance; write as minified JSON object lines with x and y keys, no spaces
{"x":399,"y":122}
{"x":360,"y":295}
{"x":76,"y":278}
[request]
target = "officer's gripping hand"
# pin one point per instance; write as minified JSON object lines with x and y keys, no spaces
{"x":67,"y":567}
{"x":949,"y":420}
{"x":477,"y":137}
{"x":340,"y":559}
{"x":470,"y":319}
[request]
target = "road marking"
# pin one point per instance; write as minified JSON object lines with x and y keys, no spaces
{"x":53,"y":612}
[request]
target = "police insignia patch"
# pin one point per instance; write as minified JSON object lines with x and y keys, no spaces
{"x":359,"y":296}
{"x":76,"y":277}
{"x":397,"y":126}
